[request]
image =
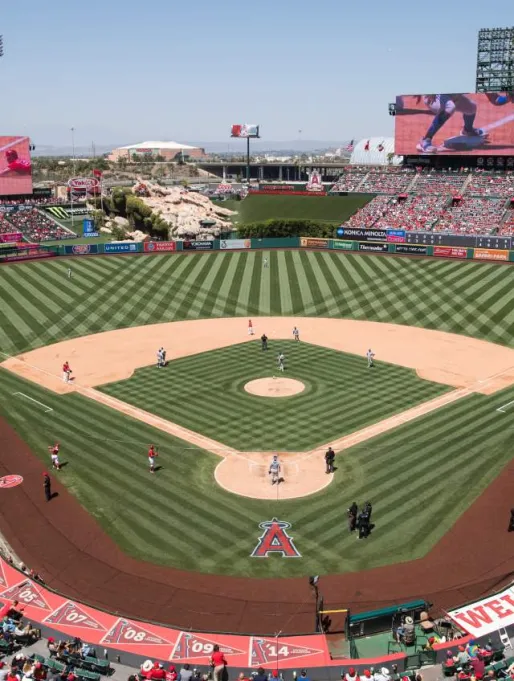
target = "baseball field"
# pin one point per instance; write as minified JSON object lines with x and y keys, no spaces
{"x":421,"y":472}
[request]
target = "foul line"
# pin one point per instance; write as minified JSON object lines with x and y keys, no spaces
{"x":504,"y":406}
{"x":45,"y":407}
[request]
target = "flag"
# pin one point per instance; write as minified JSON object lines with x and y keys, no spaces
{"x":366,"y":146}
{"x":97,"y":173}
{"x":381,"y":146}
{"x":349,"y":147}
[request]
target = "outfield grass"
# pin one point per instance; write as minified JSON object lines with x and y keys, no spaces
{"x":337,"y":209}
{"x":442,"y":461}
{"x":39,"y":305}
{"x":342,"y":395}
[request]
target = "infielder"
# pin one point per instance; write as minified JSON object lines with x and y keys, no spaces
{"x":54,"y":453}
{"x":250,"y":328}
{"x":151,"y":458}
{"x":274,"y":470}
{"x":443,"y":107}
{"x":280,"y":361}
{"x":69,"y":272}
{"x":296,"y":334}
{"x":66,"y":371}
{"x":370,"y":357}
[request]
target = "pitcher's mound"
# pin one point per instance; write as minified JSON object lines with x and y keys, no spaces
{"x":275,"y":387}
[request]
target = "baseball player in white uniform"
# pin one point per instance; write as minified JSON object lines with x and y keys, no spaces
{"x":54,"y":453}
{"x":296,"y":334}
{"x":274,"y":470}
{"x":280,"y":361}
{"x":69,"y":272}
{"x":370,"y":355}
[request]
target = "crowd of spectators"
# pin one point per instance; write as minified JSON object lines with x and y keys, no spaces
{"x":491,"y":184}
{"x":350,"y":179}
{"x":368,"y":215}
{"x":415,"y":213}
{"x":388,"y":180}
{"x":435,"y":182}
{"x":34,"y":225}
{"x":472,"y":215}
{"x":507,"y":228}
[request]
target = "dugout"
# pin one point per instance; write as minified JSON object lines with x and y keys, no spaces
{"x":378,"y":621}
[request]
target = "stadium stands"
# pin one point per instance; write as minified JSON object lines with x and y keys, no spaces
{"x":491,"y":184}
{"x":388,"y":180}
{"x":350,"y":180}
{"x":417,"y":213}
{"x":439,"y":183}
{"x":369,"y":214}
{"x":34,"y":226}
{"x":472,"y":215}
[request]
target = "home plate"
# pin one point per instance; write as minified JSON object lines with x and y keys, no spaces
{"x":463,"y":142}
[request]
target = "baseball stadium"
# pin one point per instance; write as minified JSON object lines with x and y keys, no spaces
{"x":168,"y":403}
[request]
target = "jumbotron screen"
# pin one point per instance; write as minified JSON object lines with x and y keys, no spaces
{"x":15,"y":166}
{"x":455,"y":124}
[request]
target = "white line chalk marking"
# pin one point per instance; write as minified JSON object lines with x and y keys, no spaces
{"x":503,"y":407}
{"x":45,"y":407}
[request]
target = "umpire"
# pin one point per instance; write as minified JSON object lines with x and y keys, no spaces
{"x":330,"y":456}
{"x":352,"y":513}
{"x":47,"y":486}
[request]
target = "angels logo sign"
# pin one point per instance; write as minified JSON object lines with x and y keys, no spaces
{"x":26,"y":593}
{"x":275,"y":539}
{"x":72,"y":615}
{"x":315,"y":184}
{"x":265,"y":651}
{"x":190,"y":646}
{"x":126,"y":632}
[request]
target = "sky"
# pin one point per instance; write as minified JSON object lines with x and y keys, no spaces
{"x":121,"y":72}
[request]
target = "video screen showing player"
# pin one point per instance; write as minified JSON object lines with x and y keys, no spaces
{"x":15,"y":166}
{"x":455,"y":124}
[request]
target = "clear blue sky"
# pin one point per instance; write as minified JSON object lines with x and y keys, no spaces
{"x":122,"y":72}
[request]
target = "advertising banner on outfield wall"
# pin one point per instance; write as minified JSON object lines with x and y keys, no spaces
{"x":311,"y":242}
{"x":81,"y":249}
{"x":395,"y":235}
{"x":123,"y":248}
{"x":342,"y":245}
{"x":235,"y":244}
{"x":411,"y":248}
{"x":156,"y":246}
{"x":450,"y":252}
{"x":362,"y":234}
{"x":487,"y":615}
{"x":11,"y":237}
{"x":490,"y":254}
{"x":374,"y":248}
{"x":197,"y":245}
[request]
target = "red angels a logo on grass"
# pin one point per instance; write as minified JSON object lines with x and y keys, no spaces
{"x":275,"y":539}
{"x":72,"y":615}
{"x":191,"y":646}
{"x":265,"y":651}
{"x":26,"y":592}
{"x":126,"y":632}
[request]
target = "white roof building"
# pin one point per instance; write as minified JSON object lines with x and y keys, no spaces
{"x":155,"y":145}
{"x":168,"y":150}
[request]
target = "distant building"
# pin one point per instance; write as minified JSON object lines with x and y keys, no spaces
{"x":170,"y":151}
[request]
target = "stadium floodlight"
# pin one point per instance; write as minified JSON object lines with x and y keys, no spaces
{"x":1,"y":45}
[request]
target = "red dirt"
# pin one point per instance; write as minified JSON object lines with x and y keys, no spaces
{"x":63,"y":542}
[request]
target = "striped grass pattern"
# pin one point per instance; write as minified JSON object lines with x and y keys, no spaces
{"x":341,"y":396}
{"x":38,"y":305}
{"x":443,"y":460}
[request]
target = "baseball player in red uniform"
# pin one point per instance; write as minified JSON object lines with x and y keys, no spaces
{"x":54,"y":452}
{"x":15,"y":164}
{"x":66,"y":371}
{"x":151,"y":458}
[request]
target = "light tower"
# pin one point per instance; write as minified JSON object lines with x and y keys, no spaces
{"x":495,"y":60}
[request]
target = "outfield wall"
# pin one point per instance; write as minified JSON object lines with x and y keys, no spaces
{"x":354,"y":243}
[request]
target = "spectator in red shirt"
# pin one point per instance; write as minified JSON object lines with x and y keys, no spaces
{"x":171,"y":674}
{"x":218,"y":663}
